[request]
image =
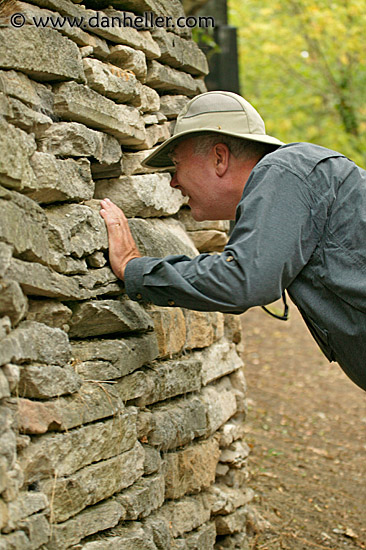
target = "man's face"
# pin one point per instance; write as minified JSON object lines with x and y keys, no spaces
{"x":194,"y":177}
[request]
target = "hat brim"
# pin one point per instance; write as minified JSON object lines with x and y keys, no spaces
{"x":159,"y":158}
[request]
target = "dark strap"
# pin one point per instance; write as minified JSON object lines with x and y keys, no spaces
{"x":283,"y":317}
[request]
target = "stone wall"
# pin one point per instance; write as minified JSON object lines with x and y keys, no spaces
{"x":121,"y":424}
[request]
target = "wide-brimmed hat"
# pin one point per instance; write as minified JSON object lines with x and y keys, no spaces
{"x":219,"y":112}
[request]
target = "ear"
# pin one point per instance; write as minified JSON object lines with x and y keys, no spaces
{"x":221,"y":158}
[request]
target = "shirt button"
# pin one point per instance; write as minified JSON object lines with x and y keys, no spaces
{"x":229,"y":258}
{"x":139,"y":296}
{"x":171,"y":303}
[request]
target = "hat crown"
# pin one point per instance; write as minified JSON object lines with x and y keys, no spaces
{"x":220,"y":110}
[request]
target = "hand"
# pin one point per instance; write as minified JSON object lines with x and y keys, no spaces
{"x":122,"y":247}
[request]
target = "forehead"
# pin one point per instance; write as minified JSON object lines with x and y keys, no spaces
{"x":182,"y":149}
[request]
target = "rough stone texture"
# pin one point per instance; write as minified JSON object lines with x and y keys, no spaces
{"x":171,"y":105}
{"x":94,"y":483}
{"x":13,"y":303}
{"x":76,"y":140}
{"x":16,"y":148}
{"x":146,"y":495}
{"x":110,"y":81}
{"x":26,"y":118}
{"x":34,"y":94}
{"x":149,"y":99}
{"x":59,"y":455}
{"x":233,"y":523}
{"x":39,"y":280}
{"x":202,"y":328}
{"x":46,"y":381}
{"x":203,"y":538}
{"x":32,"y":341}
{"x":108,"y":316}
{"x":176,"y":424}
{"x":220,"y":404}
{"x":225,"y":500}
{"x":95,"y":518}
{"x":59,"y":180}
{"x":191,"y":469}
{"x":23,"y":225}
{"x":50,"y":312}
{"x":26,"y":504}
{"x":81,"y":104}
{"x":171,"y":378}
{"x":209,"y":241}
{"x":147,"y":195}
{"x":155,"y":133}
{"x":132,"y":164}
{"x":130,"y":60}
{"x":185,"y":217}
{"x":131,"y":537}
{"x":125,"y":355}
{"x":218,"y":360}
{"x":170,"y":328}
{"x":15,"y":53}
{"x":166,"y":79}
{"x":180,"y":53}
{"x":153,"y":461}
{"x":186,"y":514}
{"x":159,"y":238}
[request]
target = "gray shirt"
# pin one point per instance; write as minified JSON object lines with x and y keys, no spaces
{"x":301,"y":226}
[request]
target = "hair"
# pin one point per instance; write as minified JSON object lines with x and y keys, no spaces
{"x":242,"y":149}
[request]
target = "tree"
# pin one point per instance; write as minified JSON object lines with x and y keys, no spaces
{"x":303,"y":66}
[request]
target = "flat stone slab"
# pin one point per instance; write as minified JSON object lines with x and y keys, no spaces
{"x":64,"y":64}
{"x":166,"y":79}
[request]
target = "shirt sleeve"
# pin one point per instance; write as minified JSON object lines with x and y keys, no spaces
{"x":278,"y":225}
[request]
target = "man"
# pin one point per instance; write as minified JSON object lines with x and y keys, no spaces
{"x":300,"y":213}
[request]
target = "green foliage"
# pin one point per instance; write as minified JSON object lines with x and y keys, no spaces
{"x":303,"y":66}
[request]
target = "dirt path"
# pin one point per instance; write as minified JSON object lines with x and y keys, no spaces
{"x":307,"y":432}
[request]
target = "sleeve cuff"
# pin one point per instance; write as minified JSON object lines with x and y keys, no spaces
{"x":133,"y":278}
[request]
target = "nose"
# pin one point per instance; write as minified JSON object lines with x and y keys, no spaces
{"x":174,"y":180}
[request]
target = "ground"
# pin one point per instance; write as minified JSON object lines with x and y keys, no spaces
{"x":306,"y":427}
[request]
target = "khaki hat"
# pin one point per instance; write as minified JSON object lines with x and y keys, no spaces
{"x":220,"y":112}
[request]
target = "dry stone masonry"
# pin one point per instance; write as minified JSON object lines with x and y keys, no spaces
{"x":121,"y":424}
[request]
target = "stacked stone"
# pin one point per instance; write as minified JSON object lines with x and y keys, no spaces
{"x":121,"y":423}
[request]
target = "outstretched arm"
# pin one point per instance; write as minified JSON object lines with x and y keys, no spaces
{"x":122,"y":247}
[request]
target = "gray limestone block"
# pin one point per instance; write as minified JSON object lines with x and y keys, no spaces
{"x":81,"y":104}
{"x":26,"y":118}
{"x":37,"y":528}
{"x":23,"y":224}
{"x":132,"y":164}
{"x":186,"y":514}
{"x":92,"y":520}
{"x":209,"y":240}
{"x":39,"y":280}
{"x":25,"y":505}
{"x":129,"y":59}
{"x":145,"y":195}
{"x":93,"y":483}
{"x":130,"y":536}
{"x":63,"y":454}
{"x":171,"y":378}
{"x":176,"y":423}
{"x":225,"y":500}
{"x":17,"y":540}
{"x":155,"y":133}
{"x":185,"y":217}
{"x":32,"y":341}
{"x":220,"y":403}
{"x":236,"y":454}
{"x":111,"y":81}
{"x":180,"y":53}
{"x":16,"y":147}
{"x":149,"y":99}
{"x":12,"y":373}
{"x":126,"y":355}
{"x":4,"y":385}
{"x":60,"y":180}
{"x":143,"y":497}
{"x":46,"y":381}
{"x":108,"y":316}
{"x":34,"y":94}
{"x":203,"y":538}
{"x":166,"y":79}
{"x":232,"y":523}
{"x":76,"y":229}
{"x":50,"y":312}
{"x":71,"y":139}
{"x":160,"y":238}
{"x":64,"y":63}
{"x":153,"y":461}
{"x":158,"y":529}
{"x":218,"y":360}
{"x":171,"y":105}
{"x":6,"y":252}
{"x":13,"y":303}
